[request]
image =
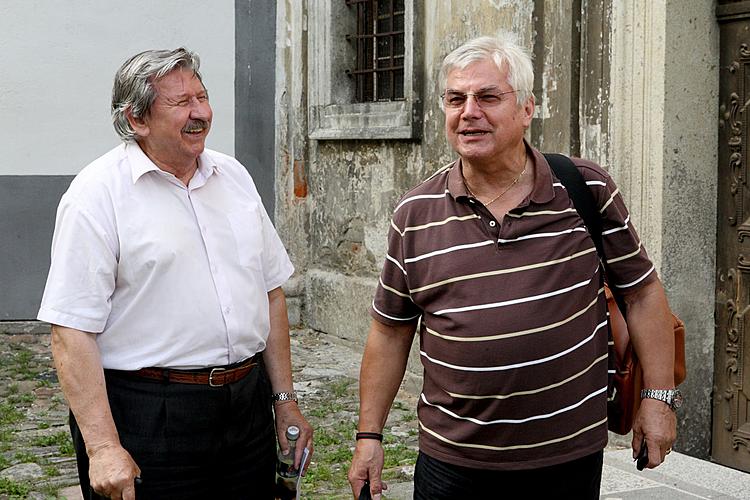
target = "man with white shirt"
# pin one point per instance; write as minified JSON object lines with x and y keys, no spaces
{"x":170,"y":332}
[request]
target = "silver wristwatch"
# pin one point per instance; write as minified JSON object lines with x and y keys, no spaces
{"x":672,"y":397}
{"x":284,"y":396}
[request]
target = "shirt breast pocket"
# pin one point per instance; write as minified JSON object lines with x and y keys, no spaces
{"x":247,"y":229}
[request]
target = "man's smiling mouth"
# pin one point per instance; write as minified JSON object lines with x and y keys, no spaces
{"x":195,"y":127}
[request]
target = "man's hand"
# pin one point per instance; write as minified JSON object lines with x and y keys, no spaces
{"x":657,"y":424}
{"x":287,"y":413}
{"x":383,"y":367}
{"x":112,"y":472}
{"x":367,"y":464}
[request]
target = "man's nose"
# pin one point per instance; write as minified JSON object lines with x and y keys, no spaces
{"x":471,"y":106}
{"x":199,"y":109}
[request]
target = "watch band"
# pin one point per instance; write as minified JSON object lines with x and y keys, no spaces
{"x":284,"y":396}
{"x":671,"y":397}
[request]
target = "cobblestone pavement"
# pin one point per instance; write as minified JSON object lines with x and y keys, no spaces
{"x":36,"y":456}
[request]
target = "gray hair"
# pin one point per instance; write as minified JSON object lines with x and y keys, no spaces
{"x":134,"y":90}
{"x":501,"y":49}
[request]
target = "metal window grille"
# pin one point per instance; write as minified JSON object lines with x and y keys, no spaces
{"x":379,"y":68}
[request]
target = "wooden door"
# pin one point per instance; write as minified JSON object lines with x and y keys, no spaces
{"x":731,"y":389}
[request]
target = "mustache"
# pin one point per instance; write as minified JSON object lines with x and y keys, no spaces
{"x":195,"y":125}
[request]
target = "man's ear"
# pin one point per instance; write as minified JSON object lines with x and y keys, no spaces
{"x":138,"y":123}
{"x":528,"y":110}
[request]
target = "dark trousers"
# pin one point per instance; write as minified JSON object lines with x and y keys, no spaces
{"x":579,"y":479}
{"x":192,"y":441}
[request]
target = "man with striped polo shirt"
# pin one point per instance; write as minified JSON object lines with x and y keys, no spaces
{"x":490,"y":261}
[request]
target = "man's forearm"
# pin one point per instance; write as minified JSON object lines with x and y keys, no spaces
{"x":278,"y":360}
{"x":277,"y":355}
{"x":383,"y":367}
{"x":651,"y":330}
{"x":79,"y":369}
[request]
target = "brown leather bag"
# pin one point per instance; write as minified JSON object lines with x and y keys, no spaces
{"x":625,"y":388}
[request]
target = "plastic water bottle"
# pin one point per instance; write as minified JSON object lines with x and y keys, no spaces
{"x":286,"y":474}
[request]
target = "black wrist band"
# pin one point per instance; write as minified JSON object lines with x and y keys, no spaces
{"x":369,"y":435}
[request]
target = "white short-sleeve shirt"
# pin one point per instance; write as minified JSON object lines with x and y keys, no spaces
{"x":167,"y":275}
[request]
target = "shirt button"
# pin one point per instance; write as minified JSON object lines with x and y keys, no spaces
{"x":227,"y":310}
{"x":492,"y":223}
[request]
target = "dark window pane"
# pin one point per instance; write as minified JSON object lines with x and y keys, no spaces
{"x":384,"y":25}
{"x":384,"y":47}
{"x":384,"y":85}
{"x":368,"y":87}
{"x":398,"y":45}
{"x":398,"y":22}
{"x":384,"y":7}
{"x":399,"y":84}
{"x":380,"y":50}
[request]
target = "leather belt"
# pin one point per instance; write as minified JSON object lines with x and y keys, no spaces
{"x":214,"y":377}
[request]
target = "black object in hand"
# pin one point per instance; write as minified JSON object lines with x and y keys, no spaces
{"x":364,"y":494}
{"x":642,"y":459}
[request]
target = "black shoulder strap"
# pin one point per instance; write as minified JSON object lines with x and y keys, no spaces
{"x":579,"y":193}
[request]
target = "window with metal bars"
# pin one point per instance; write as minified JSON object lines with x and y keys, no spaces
{"x":378,"y":73}
{"x":364,"y":69}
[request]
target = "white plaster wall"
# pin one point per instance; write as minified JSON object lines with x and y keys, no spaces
{"x":58,"y":60}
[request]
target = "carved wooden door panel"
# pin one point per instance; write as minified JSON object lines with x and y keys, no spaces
{"x":731,"y":389}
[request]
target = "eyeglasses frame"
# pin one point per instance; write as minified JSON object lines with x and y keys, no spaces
{"x":473,"y":94}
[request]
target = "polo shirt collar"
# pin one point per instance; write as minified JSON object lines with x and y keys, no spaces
{"x":542,"y":192}
{"x":141,"y":164}
{"x":456,"y":183}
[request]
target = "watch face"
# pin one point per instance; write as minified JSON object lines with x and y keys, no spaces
{"x":677,"y":399}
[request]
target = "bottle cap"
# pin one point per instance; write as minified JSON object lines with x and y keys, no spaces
{"x":292,"y":432}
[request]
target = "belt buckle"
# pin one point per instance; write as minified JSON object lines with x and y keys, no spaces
{"x":211,"y":376}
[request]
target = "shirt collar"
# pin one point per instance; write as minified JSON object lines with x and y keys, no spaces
{"x":141,"y":164}
{"x":542,"y":192}
{"x":206,"y":167}
{"x":456,"y":183}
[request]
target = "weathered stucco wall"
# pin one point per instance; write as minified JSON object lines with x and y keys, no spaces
{"x":689,"y":201}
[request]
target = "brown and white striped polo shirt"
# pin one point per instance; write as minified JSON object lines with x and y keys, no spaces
{"x":513,"y":337}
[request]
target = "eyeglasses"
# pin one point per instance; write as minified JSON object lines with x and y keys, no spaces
{"x":485,"y":100}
